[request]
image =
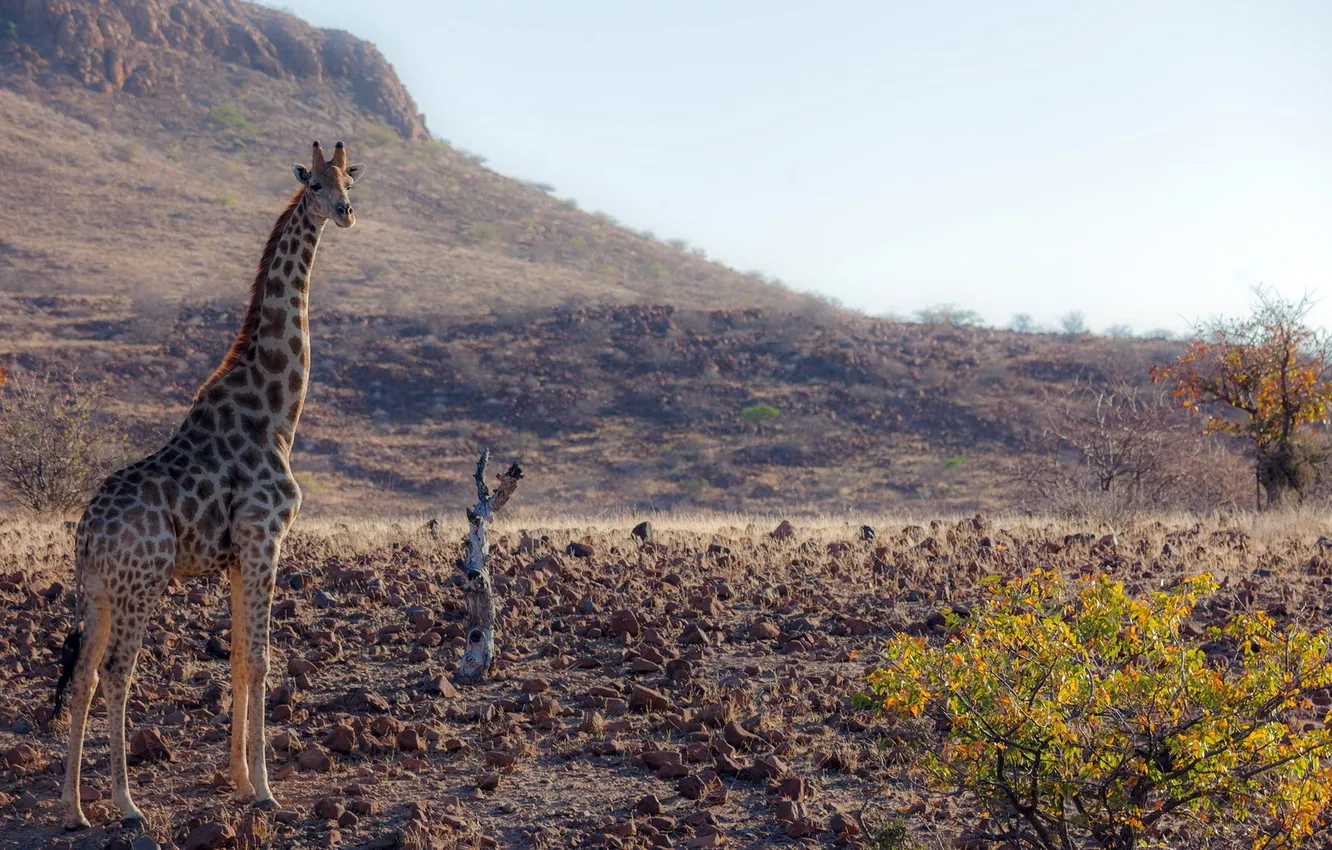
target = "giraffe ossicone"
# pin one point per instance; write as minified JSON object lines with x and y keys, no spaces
{"x":218,"y":497}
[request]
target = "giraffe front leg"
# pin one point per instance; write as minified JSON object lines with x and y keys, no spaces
{"x":256,"y":662}
{"x":240,"y":681}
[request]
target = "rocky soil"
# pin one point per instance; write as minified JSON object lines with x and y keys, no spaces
{"x":691,"y":689}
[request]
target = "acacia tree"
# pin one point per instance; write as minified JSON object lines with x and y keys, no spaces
{"x":1260,"y":378}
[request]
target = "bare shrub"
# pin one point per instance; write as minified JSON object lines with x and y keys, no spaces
{"x":1112,"y":448}
{"x":56,"y":441}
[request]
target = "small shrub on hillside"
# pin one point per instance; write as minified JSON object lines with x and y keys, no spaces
{"x":229,"y":117}
{"x":658,"y":271}
{"x":1093,"y":719}
{"x":56,"y":443}
{"x":948,"y":314}
{"x":760,"y":415}
{"x":1073,"y":322}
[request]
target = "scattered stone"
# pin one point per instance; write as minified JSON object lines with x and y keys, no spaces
{"x":211,"y":836}
{"x":21,"y":755}
{"x":650,"y":700}
{"x":328,"y":808}
{"x":625,"y":621}
{"x":409,"y":740}
{"x":764,"y":630}
{"x":340,"y":739}
{"x":148,"y":745}
{"x":535,"y":686}
{"x":578,"y":550}
{"x":314,"y":758}
{"x":784,"y":531}
{"x":649,"y":805}
{"x":643,"y":531}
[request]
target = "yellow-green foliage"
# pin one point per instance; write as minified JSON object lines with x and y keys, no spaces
{"x":1090,"y":719}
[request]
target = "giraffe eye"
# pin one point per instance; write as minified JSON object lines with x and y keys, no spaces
{"x":316,"y":187}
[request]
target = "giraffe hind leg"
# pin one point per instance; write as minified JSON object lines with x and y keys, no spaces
{"x":130,"y":615}
{"x":96,"y":629}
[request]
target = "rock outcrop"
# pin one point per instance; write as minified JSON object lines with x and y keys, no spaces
{"x":127,"y":45}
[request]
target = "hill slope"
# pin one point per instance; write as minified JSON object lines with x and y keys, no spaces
{"x":148,"y":147}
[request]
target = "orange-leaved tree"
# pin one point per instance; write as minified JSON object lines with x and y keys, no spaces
{"x":1260,"y":378}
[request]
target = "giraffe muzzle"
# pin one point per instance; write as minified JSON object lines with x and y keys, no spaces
{"x":343,"y":215}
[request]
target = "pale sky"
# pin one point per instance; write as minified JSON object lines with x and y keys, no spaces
{"x":1143,"y":162}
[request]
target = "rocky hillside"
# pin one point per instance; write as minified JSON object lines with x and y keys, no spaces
{"x":148,"y":148}
{"x":143,"y":47}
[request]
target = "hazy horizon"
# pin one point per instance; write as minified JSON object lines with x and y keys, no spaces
{"x":1145,"y":165}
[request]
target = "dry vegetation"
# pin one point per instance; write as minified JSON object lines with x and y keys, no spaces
{"x":649,"y":693}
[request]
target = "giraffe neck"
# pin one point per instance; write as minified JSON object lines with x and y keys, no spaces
{"x":267,"y":370}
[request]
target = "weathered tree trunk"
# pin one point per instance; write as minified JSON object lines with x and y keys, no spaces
{"x":479,"y":657}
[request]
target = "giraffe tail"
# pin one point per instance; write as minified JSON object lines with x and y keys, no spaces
{"x":69,"y":659}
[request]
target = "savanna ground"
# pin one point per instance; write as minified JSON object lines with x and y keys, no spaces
{"x":671,"y":693}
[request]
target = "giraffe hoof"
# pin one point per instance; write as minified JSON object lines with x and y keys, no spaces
{"x":134,"y":822}
{"x":267,"y":804}
{"x":76,"y":825}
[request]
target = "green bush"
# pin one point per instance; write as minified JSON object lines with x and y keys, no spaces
{"x":1091,"y":719}
{"x":229,"y":117}
{"x":760,"y":414}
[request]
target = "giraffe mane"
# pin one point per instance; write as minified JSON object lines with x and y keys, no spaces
{"x":250,"y":323}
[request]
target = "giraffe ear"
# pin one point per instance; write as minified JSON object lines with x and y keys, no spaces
{"x":302,"y":174}
{"x":355,"y":172}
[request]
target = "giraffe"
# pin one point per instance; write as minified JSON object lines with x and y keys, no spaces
{"x":218,"y":496}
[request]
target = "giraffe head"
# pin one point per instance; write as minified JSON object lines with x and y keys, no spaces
{"x":327,"y":182}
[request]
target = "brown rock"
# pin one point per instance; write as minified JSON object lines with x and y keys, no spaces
{"x":314,"y":758}
{"x":650,"y":700}
{"x":649,"y":805}
{"x":643,"y":531}
{"x":843,"y":824}
{"x":691,"y":788}
{"x":442,"y":686}
{"x":693,"y":635}
{"x":793,"y":788}
{"x":21,"y":755}
{"x":211,"y":836}
{"x":495,"y":758}
{"x":409,"y":740}
{"x":765,"y":769}
{"x":625,"y":621}
{"x":802,"y":828}
{"x":784,"y":531}
{"x":488,"y":781}
{"x":328,"y":808}
{"x":535,"y":686}
{"x":147,"y":744}
{"x":737,"y":737}
{"x":340,"y":739}
{"x":764,"y":630}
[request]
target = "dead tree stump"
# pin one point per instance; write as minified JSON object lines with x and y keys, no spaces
{"x":479,"y":657}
